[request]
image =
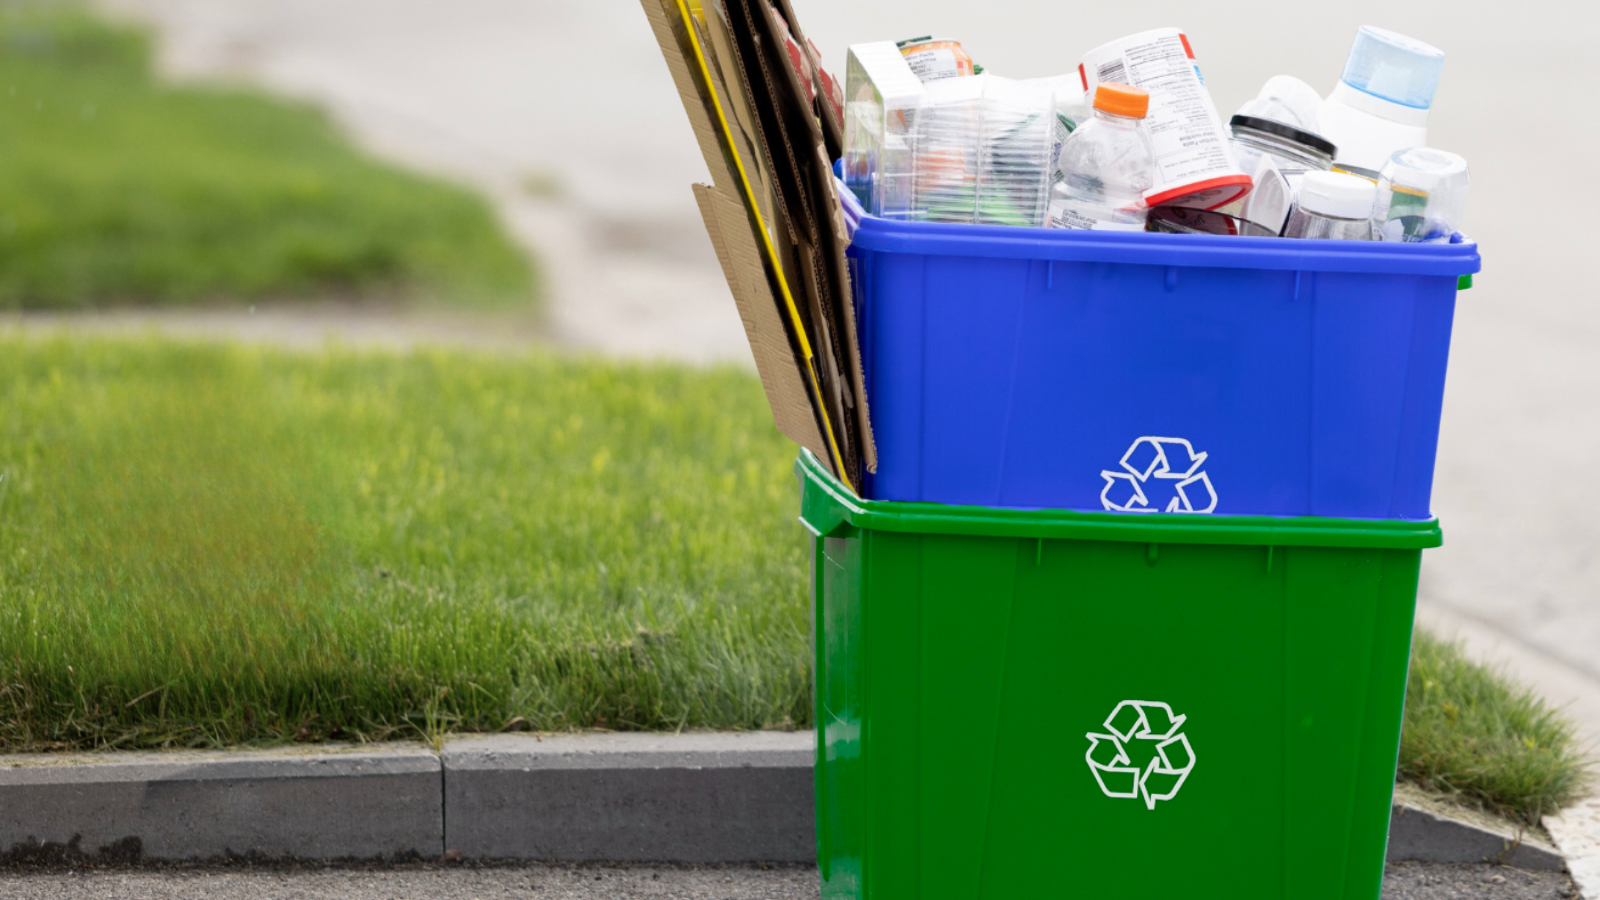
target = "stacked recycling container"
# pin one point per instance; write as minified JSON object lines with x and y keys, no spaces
{"x":1126,"y":609}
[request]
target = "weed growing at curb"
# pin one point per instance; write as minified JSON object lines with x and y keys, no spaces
{"x":1473,"y":733}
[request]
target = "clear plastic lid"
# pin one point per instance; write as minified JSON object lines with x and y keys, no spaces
{"x":1394,"y":67}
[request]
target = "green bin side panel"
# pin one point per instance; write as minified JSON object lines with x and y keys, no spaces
{"x":959,"y":677}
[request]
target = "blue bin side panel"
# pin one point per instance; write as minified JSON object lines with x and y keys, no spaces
{"x":1018,"y":382}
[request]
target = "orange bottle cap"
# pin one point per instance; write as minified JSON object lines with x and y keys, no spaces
{"x":1122,"y":100}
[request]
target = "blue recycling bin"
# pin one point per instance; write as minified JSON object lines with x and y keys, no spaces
{"x":1029,"y":368}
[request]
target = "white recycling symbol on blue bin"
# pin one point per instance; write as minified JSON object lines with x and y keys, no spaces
{"x":1143,"y":753}
{"x":1155,"y":461}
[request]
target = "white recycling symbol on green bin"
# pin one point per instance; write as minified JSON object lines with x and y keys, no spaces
{"x":1143,"y":753}
{"x":1158,"y":462}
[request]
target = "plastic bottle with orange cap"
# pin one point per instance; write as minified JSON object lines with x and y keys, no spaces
{"x":1106,"y":165}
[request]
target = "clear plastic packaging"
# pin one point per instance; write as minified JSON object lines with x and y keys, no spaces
{"x":1106,"y":166}
{"x":1422,"y":196}
{"x":882,"y":95}
{"x":983,"y":149}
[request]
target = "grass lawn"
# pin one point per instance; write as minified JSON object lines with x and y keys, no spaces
{"x":116,"y":189}
{"x":205,"y":545}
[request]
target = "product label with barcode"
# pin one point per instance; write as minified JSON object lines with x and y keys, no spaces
{"x":1186,"y":134}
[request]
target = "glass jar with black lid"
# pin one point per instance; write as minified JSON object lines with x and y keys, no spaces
{"x":1295,"y":151}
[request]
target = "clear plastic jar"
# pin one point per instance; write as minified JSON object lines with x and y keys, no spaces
{"x":1334,"y":206}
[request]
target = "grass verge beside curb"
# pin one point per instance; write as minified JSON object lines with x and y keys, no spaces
{"x":208,"y":545}
{"x":205,"y":545}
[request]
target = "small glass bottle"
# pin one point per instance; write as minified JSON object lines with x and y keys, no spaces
{"x":1334,"y":206}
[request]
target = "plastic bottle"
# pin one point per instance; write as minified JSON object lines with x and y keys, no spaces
{"x":1381,"y":103}
{"x":1422,"y":195}
{"x":1334,"y":206}
{"x":1106,"y":165}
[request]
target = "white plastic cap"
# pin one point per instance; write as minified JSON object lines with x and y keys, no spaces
{"x":1337,"y":195}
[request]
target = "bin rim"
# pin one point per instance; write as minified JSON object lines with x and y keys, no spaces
{"x":1453,"y":259}
{"x":828,"y":509}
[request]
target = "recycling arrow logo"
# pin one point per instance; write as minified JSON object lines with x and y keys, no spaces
{"x":1143,"y":753}
{"x":1164,"y":464}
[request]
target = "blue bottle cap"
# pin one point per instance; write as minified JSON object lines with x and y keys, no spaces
{"x":1394,"y":67}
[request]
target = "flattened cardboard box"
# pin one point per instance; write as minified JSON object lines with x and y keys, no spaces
{"x":733,"y":231}
{"x":758,"y":310}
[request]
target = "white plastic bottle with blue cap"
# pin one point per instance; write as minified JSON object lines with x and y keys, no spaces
{"x":1381,"y":103}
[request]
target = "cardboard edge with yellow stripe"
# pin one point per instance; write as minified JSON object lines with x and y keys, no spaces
{"x":750,"y":262}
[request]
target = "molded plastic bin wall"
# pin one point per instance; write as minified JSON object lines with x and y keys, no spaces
{"x":965,"y":656}
{"x":1021,"y":367}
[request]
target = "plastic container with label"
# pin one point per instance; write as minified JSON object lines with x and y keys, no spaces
{"x":1381,"y":103}
{"x":1334,"y":206}
{"x":1193,"y":164}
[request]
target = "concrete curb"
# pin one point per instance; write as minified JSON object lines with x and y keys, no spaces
{"x":632,"y":797}
{"x":590,"y":797}
{"x":367,"y":803}
{"x":1577,"y":833}
{"x":1425,"y":829}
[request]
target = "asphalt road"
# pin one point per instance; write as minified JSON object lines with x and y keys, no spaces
{"x":428,"y":882}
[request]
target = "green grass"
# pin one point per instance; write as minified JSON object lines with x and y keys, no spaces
{"x":1473,"y":733}
{"x":206,"y":545}
{"x":118,"y":189}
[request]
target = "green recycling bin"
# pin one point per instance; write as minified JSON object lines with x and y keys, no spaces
{"x":1039,"y":703}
